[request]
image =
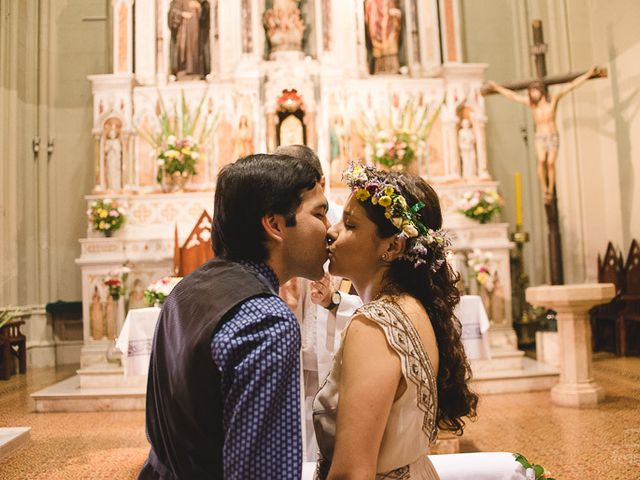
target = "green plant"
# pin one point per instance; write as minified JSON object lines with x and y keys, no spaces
{"x":532,"y":471}
{"x":6,"y":316}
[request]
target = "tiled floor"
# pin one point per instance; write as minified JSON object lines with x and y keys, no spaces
{"x":603,"y":442}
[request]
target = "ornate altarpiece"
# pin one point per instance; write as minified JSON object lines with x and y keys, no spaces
{"x":330,"y":74}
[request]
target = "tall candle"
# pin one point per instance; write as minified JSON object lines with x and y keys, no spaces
{"x":518,"y":185}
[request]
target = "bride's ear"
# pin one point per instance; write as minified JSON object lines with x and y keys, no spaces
{"x":396,"y":247}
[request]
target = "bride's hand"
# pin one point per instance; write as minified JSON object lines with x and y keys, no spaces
{"x":321,"y":291}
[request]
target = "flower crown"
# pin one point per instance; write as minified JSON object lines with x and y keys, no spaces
{"x":424,"y":244}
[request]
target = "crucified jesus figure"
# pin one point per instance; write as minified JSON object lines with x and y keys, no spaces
{"x":543,"y":107}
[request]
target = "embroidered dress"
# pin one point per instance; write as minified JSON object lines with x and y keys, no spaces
{"x":411,"y":426}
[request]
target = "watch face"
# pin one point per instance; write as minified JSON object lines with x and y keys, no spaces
{"x":335,"y":298}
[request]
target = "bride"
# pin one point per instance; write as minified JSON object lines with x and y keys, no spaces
{"x":400,"y":373}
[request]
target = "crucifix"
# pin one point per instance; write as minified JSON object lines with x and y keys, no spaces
{"x":543,"y":107}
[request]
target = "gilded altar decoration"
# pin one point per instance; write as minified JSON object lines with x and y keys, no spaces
{"x":284,"y":26}
{"x":106,"y":216}
{"x":178,"y":139}
{"x":481,"y":205}
{"x":397,"y":138}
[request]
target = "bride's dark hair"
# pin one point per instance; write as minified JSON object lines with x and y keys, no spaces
{"x":438,"y":294}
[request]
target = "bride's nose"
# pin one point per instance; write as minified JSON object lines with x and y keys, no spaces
{"x":332,"y":234}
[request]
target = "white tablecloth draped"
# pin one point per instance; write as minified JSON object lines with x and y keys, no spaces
{"x":475,"y":324}
{"x":136,"y":338}
{"x":464,"y":466}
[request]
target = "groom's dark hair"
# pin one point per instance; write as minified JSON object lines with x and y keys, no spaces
{"x":249,"y":189}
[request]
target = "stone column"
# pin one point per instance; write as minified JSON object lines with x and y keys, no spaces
{"x":122,"y":36}
{"x":576,"y":388}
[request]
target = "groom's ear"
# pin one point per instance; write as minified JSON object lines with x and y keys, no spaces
{"x":274,"y":226}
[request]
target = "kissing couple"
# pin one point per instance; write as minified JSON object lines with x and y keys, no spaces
{"x":223,"y":393}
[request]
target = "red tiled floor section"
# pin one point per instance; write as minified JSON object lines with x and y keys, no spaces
{"x":602,"y":442}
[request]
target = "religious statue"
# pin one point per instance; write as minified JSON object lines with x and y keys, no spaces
{"x":284,"y":26}
{"x":113,"y":160}
{"x":189,"y":51}
{"x":96,"y":316}
{"x":544,"y":107}
{"x":383,"y":20}
{"x":136,"y":298}
{"x":110,"y":313}
{"x":467,"y":146}
{"x":243,"y":138}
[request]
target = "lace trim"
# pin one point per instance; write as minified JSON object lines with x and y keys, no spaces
{"x":415,"y":362}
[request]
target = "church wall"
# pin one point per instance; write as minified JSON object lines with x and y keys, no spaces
{"x":51,"y":48}
{"x":610,"y":138}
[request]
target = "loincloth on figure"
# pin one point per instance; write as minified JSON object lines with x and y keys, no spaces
{"x":547,"y":141}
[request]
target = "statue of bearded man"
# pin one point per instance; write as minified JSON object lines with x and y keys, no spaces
{"x":383,"y":21}
{"x":189,"y":25}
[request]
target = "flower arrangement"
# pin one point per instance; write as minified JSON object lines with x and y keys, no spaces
{"x":397,"y":138}
{"x":481,"y":205}
{"x":178,"y":137}
{"x":424,"y":244}
{"x":116,"y":281}
{"x":482,"y":268}
{"x":157,"y":292}
{"x":106,"y":216}
{"x":177,"y":156}
{"x":532,"y":471}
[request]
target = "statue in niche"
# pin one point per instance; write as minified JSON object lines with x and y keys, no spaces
{"x":339,"y":140}
{"x":497,"y":312}
{"x":383,"y":21}
{"x":243,"y":138}
{"x":96,"y":315}
{"x":284,"y":26}
{"x":113,"y":160}
{"x":467,"y":146}
{"x":136,"y":297}
{"x":189,"y":51}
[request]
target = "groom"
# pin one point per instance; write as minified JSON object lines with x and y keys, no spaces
{"x":223,"y":394}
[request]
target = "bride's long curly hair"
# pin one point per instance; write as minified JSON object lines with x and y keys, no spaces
{"x":439,"y":296}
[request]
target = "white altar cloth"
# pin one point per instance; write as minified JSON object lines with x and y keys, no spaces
{"x":464,"y":466}
{"x":475,"y":324}
{"x":136,"y":336}
{"x":135,"y":340}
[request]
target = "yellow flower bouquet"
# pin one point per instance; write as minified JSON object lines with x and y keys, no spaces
{"x":106,"y":216}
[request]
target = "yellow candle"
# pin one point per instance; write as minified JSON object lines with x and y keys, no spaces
{"x":518,"y":199}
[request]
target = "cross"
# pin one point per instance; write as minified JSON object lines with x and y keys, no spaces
{"x":546,"y":133}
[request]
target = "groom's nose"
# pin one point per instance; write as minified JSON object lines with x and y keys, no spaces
{"x":332,"y":234}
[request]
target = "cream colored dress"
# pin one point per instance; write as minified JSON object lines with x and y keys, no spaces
{"x":411,"y":426}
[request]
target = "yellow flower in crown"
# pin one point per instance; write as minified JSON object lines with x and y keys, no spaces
{"x":389,"y":190}
{"x":387,"y":215}
{"x":384,"y":201}
{"x":400,"y":200}
{"x":362,"y":194}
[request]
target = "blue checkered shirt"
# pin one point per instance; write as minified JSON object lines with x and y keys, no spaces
{"x":257,"y":350}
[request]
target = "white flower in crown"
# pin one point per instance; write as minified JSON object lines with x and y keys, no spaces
{"x":409,"y":230}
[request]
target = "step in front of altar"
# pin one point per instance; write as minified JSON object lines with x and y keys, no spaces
{"x":507,"y":359}
{"x":109,"y":376}
{"x":532,"y":377}
{"x":69,"y":396}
